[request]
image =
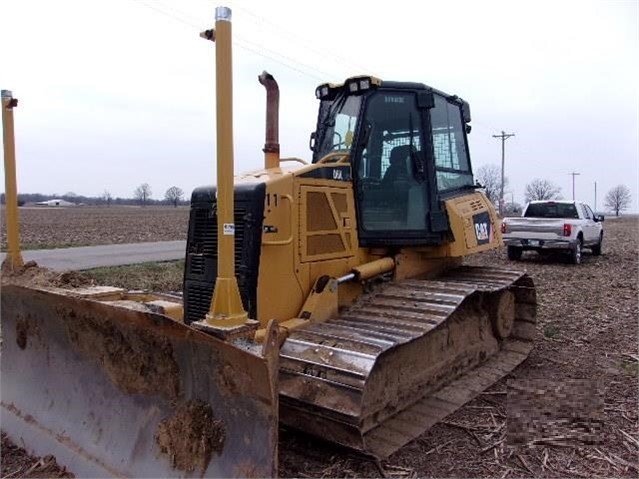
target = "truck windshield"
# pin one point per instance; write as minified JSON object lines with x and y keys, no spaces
{"x":551,"y":210}
{"x":337,"y":124}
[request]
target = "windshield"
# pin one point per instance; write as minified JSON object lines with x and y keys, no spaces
{"x":337,"y":124}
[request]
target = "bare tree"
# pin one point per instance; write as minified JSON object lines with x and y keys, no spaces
{"x":142,"y":193}
{"x":489,"y":176}
{"x":539,"y":189}
{"x":107,"y":197}
{"x":618,"y":199}
{"x":173,"y":195}
{"x":512,"y":208}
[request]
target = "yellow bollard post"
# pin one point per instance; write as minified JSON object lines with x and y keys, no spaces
{"x":13,"y":260}
{"x":226,"y":311}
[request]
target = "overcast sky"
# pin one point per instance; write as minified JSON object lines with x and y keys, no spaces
{"x":121,"y":92}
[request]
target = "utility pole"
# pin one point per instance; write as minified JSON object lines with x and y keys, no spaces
{"x":504,"y":136}
{"x":573,"y":183}
{"x":595,"y":196}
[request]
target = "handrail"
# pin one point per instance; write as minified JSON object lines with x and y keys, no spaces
{"x":344,"y":156}
{"x":298,"y":160}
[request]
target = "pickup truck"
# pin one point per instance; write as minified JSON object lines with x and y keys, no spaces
{"x":554,"y":226}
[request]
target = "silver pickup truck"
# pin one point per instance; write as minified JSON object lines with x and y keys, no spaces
{"x":551,"y":226}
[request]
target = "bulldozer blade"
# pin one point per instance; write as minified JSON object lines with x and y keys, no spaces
{"x":112,"y":389}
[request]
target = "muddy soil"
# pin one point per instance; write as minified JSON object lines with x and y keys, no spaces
{"x":15,"y":462}
{"x":191,"y":436}
{"x":137,"y":360}
{"x":32,"y":274}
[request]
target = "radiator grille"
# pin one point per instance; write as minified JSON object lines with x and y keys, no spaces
{"x":199,"y":298}
{"x":202,"y":251}
{"x":197,"y":265}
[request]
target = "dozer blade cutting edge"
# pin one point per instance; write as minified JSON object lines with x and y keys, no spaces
{"x":405,"y":356}
{"x":114,"y":390}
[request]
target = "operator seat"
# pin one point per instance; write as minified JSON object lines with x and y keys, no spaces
{"x":396,"y":182}
{"x":403,"y":191}
{"x":397,"y":175}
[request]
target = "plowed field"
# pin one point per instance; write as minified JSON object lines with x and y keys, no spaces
{"x":55,"y":227}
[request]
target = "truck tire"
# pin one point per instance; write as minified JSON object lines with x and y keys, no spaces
{"x":596,"y":249}
{"x":514,"y":253}
{"x":575,"y":253}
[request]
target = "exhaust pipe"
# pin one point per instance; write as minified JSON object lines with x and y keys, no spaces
{"x":271,"y":145}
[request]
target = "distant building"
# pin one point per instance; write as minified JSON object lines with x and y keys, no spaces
{"x":55,"y":202}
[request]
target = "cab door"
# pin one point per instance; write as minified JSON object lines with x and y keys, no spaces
{"x":393,"y":188}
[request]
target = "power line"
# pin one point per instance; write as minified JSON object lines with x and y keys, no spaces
{"x":272,"y":56}
{"x":291,"y":63}
{"x":291,"y":67}
{"x":504,"y":136}
{"x":325,"y":75}
{"x":163,"y":12}
{"x":331,"y":55}
{"x":241,"y":42}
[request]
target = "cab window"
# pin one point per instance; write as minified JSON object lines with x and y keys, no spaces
{"x":391,"y":189}
{"x":449,"y":146}
{"x":587,"y":213}
{"x":338,"y":123}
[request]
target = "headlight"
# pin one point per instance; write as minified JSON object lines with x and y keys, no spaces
{"x":323,"y":91}
{"x":362,"y":83}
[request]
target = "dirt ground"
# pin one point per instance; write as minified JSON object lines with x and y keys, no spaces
{"x":587,"y":338}
{"x":55,"y":227}
{"x":585,"y":366}
{"x":16,"y":462}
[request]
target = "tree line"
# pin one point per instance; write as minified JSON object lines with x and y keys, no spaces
{"x":142,"y":196}
{"x":616,"y":200}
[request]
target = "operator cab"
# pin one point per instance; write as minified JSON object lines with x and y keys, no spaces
{"x":408,"y":149}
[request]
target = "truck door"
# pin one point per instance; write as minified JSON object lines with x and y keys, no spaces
{"x":590,"y":227}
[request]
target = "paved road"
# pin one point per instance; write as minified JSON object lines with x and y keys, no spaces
{"x":87,"y":257}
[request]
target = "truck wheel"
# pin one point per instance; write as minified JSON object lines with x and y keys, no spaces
{"x":514,"y":253}
{"x":575,"y":254}
{"x":596,"y":250}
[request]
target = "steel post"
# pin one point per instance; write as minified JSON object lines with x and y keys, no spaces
{"x":227,"y":310}
{"x":14,"y":257}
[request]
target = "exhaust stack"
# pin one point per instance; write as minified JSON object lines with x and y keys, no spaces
{"x":271,"y":145}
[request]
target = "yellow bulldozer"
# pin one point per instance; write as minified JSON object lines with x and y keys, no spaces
{"x":330,"y":295}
